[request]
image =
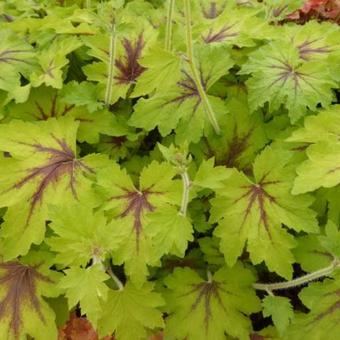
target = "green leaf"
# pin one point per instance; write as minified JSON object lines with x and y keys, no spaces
{"x":42,"y":169}
{"x":251,"y":212}
{"x":24,"y":312}
{"x":180,"y":107}
{"x":280,"y":310}
{"x":130,"y":312}
{"x":200,"y":309}
{"x":52,"y":61}
{"x":323,"y":301}
{"x":321,"y":169}
{"x":209,"y":176}
{"x":78,"y":240}
{"x":17,"y":58}
{"x":131,"y":207}
{"x":331,"y":241}
{"x":87,"y":287}
{"x":44,"y":103}
{"x":280,"y":77}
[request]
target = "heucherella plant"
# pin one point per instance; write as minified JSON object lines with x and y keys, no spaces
{"x":169,"y":169}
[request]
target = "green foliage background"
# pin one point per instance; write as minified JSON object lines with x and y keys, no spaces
{"x":169,"y":166}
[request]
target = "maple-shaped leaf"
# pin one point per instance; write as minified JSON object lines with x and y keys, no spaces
{"x":17,"y":58}
{"x":280,"y":77}
{"x":314,"y":40}
{"x":321,"y":169}
{"x":86,"y":286}
{"x":130,"y":206}
{"x":235,"y":26}
{"x":160,"y":67}
{"x":210,"y":176}
{"x":280,"y":310}
{"x":207,"y":309}
{"x":243,"y":136}
{"x":276,"y":10}
{"x":52,"y":61}
{"x":181,"y":107}
{"x":23,"y":310}
{"x":42,"y":169}
{"x":251,"y":212}
{"x":322,"y":321}
{"x":45,"y":102}
{"x":118,"y":53}
{"x":130,"y":312}
{"x":78,"y":240}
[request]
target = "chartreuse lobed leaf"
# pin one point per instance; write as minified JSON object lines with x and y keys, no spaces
{"x":118,"y":52}
{"x":143,"y":239}
{"x":86,"y":286}
{"x":321,"y":169}
{"x":131,"y":312}
{"x":280,"y":310}
{"x":23,"y":286}
{"x":251,"y":213}
{"x":280,"y":77}
{"x":42,"y":168}
{"x":323,"y":301}
{"x":78,"y":240}
{"x":180,"y":107}
{"x":44,"y":103}
{"x":210,"y":309}
{"x":52,"y":62}
{"x":17,"y":58}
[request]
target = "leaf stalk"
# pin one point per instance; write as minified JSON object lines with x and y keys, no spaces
{"x":115,"y":279}
{"x":269,"y":287}
{"x":168,"y":32}
{"x":196,"y":77}
{"x":186,"y":191}
{"x":111,"y":65}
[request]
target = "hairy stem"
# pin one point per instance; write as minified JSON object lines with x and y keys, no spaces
{"x":196,"y":77}
{"x":168,"y":32}
{"x":185,"y":194}
{"x":269,"y":287}
{"x":115,"y":279}
{"x":111,"y":66}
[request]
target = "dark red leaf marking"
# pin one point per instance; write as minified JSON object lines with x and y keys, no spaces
{"x":128,"y":66}
{"x":116,"y":141}
{"x":9,"y":56}
{"x":212,"y":11}
{"x":53,"y":111}
{"x":236,"y":147}
{"x":206,"y":292}
{"x":61,"y":162}
{"x":188,"y":90}
{"x":331,"y":309}
{"x":257,"y":193}
{"x":20,"y":286}
{"x":306,"y":50}
{"x":137,"y":205}
{"x":219,"y":36}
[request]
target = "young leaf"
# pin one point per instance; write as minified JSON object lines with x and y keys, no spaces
{"x":200,"y":309}
{"x":252,"y":212}
{"x":79,"y":239}
{"x":280,"y":310}
{"x":130,"y":312}
{"x":42,"y":169}
{"x":87,"y":287}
